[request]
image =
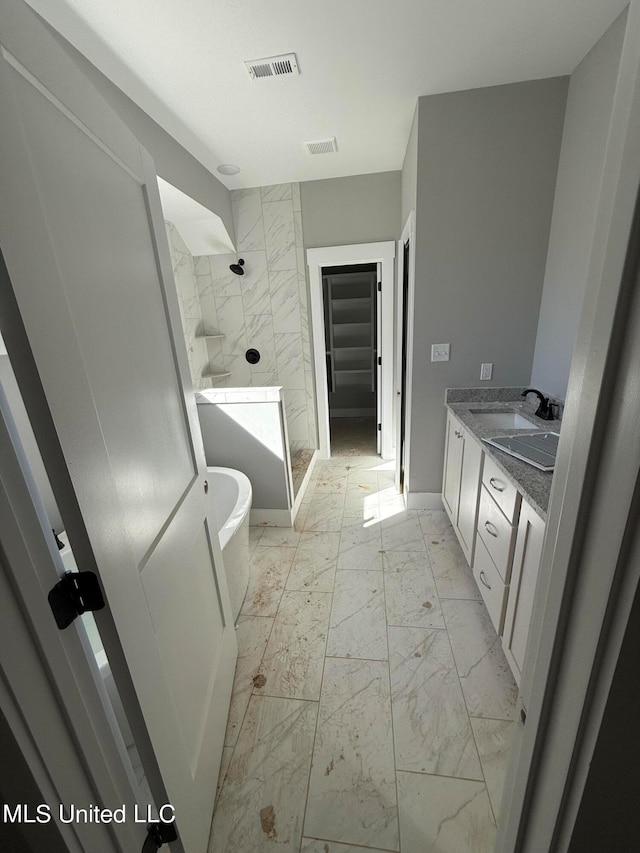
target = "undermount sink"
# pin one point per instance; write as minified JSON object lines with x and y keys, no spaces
{"x":505,"y":419}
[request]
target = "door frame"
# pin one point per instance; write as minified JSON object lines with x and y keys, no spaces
{"x":408,"y":233}
{"x":67,"y":735}
{"x":356,"y":253}
{"x":589,"y":569}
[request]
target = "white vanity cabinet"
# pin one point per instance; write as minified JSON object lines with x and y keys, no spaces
{"x":461,"y":483}
{"x":524,"y":576}
{"x":500,"y":533}
{"x":494,"y":552}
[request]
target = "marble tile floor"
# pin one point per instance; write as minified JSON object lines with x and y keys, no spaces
{"x":372,"y":705}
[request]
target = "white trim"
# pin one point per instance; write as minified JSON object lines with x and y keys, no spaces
{"x":69,"y":732}
{"x":423,"y":500}
{"x":303,"y":485}
{"x":377,"y":367}
{"x":408,"y":233}
{"x":271,"y":517}
{"x":357,"y":253}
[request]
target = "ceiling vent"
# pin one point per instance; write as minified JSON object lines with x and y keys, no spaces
{"x":273,"y":66}
{"x":322,"y":146}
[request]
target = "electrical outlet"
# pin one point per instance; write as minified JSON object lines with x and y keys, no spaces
{"x":486,"y":371}
{"x":439,"y":352}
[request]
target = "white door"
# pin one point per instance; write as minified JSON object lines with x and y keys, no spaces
{"x":91,"y":322}
{"x":402,"y":360}
{"x":378,"y":365}
{"x":69,"y":749}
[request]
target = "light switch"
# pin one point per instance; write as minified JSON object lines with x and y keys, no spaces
{"x":439,"y":352}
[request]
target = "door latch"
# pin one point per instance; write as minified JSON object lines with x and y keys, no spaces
{"x":157,"y":835}
{"x":74,"y":594}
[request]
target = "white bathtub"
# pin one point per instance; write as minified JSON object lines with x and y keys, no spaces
{"x":230,"y":493}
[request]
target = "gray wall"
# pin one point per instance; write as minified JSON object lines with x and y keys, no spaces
{"x":409,"y":181}
{"x":487,"y":164}
{"x":586,"y":128}
{"x":356,"y":209}
{"x":173,"y":162}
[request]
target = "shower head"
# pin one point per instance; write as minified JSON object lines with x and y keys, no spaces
{"x":237,"y":268}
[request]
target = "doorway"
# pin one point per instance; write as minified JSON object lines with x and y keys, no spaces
{"x":351,"y":347}
{"x":352,"y":311}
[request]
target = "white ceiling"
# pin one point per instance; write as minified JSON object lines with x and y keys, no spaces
{"x":363,"y":63}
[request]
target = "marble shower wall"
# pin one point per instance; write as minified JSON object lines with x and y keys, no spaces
{"x":267,"y":307}
{"x":189,"y":302}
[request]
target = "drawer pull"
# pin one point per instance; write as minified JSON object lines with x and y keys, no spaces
{"x":491,"y":529}
{"x":483,"y":579}
{"x":493,"y":482}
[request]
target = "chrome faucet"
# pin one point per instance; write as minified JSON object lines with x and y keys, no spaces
{"x":545,"y":409}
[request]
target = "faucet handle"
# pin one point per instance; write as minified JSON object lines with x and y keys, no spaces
{"x":544,"y":410}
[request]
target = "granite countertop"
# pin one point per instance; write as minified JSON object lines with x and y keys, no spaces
{"x":533,"y":484}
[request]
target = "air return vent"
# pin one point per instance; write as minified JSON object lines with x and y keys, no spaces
{"x":273,"y":66}
{"x":322,"y":146}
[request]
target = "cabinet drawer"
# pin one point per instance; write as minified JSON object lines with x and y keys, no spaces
{"x":501,"y":490}
{"x":497,"y":534}
{"x":491,"y":586}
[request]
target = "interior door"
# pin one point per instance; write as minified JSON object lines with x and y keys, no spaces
{"x":378,"y":356}
{"x":401,"y":372}
{"x":92,"y":326}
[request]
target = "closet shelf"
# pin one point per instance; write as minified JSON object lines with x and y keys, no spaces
{"x":350,"y":339}
{"x":364,"y":347}
{"x":351,"y":301}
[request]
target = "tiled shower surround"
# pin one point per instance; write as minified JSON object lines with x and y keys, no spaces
{"x":266,"y":308}
{"x":190,"y":311}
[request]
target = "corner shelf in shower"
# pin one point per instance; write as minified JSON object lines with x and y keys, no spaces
{"x":214,"y":375}
{"x":210,"y":337}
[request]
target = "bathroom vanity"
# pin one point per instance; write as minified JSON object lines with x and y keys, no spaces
{"x":497,"y":505}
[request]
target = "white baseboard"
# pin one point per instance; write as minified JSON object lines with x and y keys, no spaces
{"x":271,"y":517}
{"x":424,"y":500}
